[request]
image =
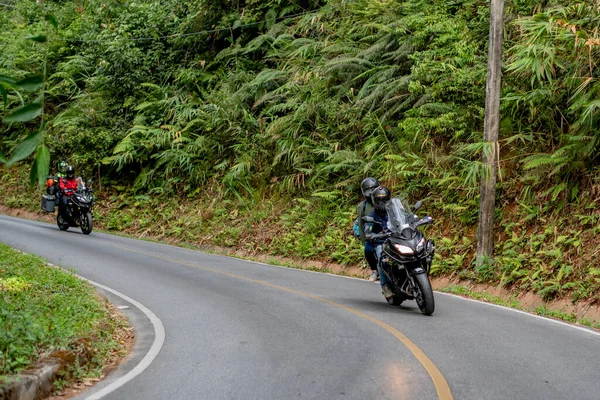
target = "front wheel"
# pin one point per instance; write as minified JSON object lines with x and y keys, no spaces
{"x":60,"y":221}
{"x":86,"y":223}
{"x":424,"y":296}
{"x":395,"y":300}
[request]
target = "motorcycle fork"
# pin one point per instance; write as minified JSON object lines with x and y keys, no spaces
{"x":410,"y":277}
{"x":413,"y":286}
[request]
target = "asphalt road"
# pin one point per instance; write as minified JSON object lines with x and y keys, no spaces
{"x":241,"y":330}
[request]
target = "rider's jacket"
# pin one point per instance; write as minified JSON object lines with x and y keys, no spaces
{"x":363,"y":210}
{"x":67,"y":185}
{"x":381,"y":220}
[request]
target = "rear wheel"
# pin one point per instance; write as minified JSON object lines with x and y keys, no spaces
{"x":62,"y":224}
{"x":424,"y":296}
{"x":86,"y":223}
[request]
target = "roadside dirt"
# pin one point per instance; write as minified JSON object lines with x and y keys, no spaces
{"x":27,"y":214}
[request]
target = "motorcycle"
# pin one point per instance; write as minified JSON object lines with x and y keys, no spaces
{"x":407,"y":256}
{"x":78,"y":210}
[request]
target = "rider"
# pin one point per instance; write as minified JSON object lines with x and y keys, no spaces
{"x":365,"y":208}
{"x":379,"y":198}
{"x":53,"y":181}
{"x":62,"y":169}
{"x":68,"y":184}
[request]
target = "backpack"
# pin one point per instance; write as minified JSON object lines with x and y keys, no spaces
{"x":356,"y":227}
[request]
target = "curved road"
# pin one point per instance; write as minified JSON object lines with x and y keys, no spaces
{"x":242,"y":330}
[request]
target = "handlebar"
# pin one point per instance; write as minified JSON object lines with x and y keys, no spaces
{"x":415,"y":224}
{"x":381,"y":235}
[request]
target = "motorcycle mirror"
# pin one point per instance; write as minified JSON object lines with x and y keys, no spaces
{"x":418,"y":205}
{"x":425,"y":221}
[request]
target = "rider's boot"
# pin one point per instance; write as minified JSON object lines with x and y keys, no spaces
{"x":387,"y":292}
{"x":374,"y":275}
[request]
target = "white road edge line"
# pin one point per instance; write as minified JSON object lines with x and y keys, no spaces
{"x":570,"y":325}
{"x":578,"y":327}
{"x":159,"y":339}
{"x":238,"y":258}
{"x":581,"y":328}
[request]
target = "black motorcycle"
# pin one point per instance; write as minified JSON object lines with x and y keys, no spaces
{"x":407,"y":255}
{"x":78,"y":210}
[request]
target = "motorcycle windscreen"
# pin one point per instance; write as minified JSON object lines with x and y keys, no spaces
{"x":80,"y":183}
{"x":398,"y":215}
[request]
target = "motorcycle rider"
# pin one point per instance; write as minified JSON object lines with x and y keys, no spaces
{"x":379,"y":198}
{"x":67,"y":184}
{"x":365,"y":208}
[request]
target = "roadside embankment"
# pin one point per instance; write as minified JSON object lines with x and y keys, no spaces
{"x":55,"y":330}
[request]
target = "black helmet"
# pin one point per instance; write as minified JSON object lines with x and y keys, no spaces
{"x":381,"y":195}
{"x":70,"y":172}
{"x":367,"y":186}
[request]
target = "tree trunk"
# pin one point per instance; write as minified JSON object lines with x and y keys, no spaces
{"x":487,"y":201}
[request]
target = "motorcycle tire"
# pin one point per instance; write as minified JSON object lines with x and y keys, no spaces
{"x":62,"y":224}
{"x":425,"y":296}
{"x":86,"y":223}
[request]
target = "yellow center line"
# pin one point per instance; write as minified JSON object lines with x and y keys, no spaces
{"x":441,"y":386}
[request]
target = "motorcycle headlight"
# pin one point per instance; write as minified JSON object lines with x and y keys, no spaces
{"x":421,"y":244}
{"x":404,"y":249}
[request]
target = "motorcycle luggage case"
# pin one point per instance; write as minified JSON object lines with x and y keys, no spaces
{"x":48,"y":202}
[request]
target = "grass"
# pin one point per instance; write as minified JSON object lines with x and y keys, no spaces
{"x":43,"y":309}
{"x":556,"y":314}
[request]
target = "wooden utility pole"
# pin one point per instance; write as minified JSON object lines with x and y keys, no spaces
{"x":487,"y":201}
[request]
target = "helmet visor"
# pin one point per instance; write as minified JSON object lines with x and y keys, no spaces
{"x":367,"y":192}
{"x":380,"y":204}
